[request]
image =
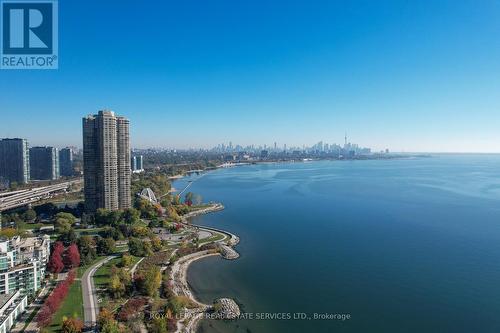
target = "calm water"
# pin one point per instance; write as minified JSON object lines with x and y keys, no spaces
{"x":410,"y":245}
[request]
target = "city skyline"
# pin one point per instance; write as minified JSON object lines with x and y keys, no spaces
{"x":412,"y":77}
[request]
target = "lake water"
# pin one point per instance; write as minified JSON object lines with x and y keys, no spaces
{"x":403,"y":245}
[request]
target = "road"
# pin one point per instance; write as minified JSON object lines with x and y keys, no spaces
{"x":14,"y":199}
{"x":90,"y":305}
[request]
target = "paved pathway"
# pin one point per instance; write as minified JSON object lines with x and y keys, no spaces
{"x":132,"y":271}
{"x":90,"y":306}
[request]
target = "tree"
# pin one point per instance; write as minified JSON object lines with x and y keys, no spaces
{"x":135,"y":247}
{"x":55,"y":264}
{"x":62,"y":226}
{"x":63,"y":222}
{"x":44,"y":316}
{"x":131,"y":215}
{"x":159,"y":325}
{"x":58,"y":248}
{"x":120,"y":282}
{"x":68,"y":237}
{"x":106,"y":217}
{"x":54,"y":300}
{"x":107,"y":323}
{"x":126,"y":260}
{"x":72,"y":325}
{"x":151,"y":281}
{"x":72,"y":257}
{"x":112,"y":232}
{"x":86,"y":246}
{"x":8,"y":232}
{"x":156,"y":243}
{"x":29,"y":215}
{"x":67,"y":216}
{"x":105,"y":246}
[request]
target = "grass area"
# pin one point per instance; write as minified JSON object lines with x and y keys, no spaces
{"x":102,"y":275}
{"x":122,"y":248}
{"x":31,"y":226}
{"x":198,"y":207}
{"x":216,"y":237}
{"x":93,"y":231}
{"x":72,"y":306}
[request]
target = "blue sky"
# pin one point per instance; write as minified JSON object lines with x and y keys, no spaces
{"x":407,"y":75}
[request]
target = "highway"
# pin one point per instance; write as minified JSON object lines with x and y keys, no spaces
{"x":14,"y":199}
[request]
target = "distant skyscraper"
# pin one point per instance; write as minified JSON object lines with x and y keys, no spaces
{"x":106,"y":161}
{"x":136,"y":163}
{"x":44,"y":163}
{"x":66,"y":162}
{"x":14,"y":161}
{"x":139,"y":163}
{"x":133,"y":163}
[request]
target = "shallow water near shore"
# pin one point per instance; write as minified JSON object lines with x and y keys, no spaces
{"x":403,"y":245}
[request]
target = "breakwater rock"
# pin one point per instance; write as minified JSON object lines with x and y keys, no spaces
{"x":226,"y":308}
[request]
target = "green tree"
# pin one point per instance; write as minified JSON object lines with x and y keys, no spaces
{"x":87,"y":248}
{"x":152,"y":281}
{"x":105,"y":246}
{"x":131,"y":215}
{"x":106,"y":217}
{"x":135,"y":247}
{"x":126,"y":260}
{"x":159,"y":325}
{"x":156,"y":243}
{"x":29,"y":215}
{"x":120,"y":282}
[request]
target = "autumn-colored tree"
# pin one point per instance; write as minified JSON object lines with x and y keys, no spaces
{"x":107,"y":323}
{"x":120,"y":282}
{"x":58,"y":248}
{"x":72,"y":325}
{"x":54,"y":300}
{"x":44,"y":316}
{"x":132,"y":309}
{"x":55,"y":264}
{"x":72,"y":257}
{"x":8,"y":232}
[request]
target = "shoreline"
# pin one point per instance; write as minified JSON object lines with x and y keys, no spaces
{"x":178,"y":274}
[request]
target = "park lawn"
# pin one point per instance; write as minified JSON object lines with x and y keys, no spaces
{"x":194,"y":208}
{"x":72,"y":306}
{"x":31,"y":226}
{"x":103,"y":274}
{"x":214,"y":238}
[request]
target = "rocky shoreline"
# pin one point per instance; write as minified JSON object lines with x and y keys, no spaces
{"x":224,"y":308}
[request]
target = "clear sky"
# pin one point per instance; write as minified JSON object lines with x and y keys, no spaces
{"x":407,"y":75}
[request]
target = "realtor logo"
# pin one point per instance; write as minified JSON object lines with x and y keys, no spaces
{"x":29,"y":34}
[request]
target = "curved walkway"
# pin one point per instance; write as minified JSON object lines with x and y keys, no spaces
{"x":90,"y":306}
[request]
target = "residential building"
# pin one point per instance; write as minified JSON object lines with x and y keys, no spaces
{"x":12,"y":306}
{"x":66,"y":162}
{"x":106,"y":161}
{"x":22,"y":264}
{"x":44,"y":163}
{"x":14,"y":161}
